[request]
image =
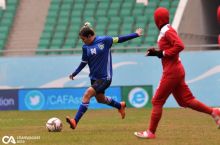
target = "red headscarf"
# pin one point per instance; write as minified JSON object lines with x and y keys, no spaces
{"x":161,"y":17}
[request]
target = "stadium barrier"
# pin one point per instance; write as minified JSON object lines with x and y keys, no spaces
{"x":130,"y":69}
{"x":71,"y":98}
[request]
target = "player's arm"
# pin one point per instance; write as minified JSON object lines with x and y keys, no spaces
{"x":79,"y":68}
{"x":176,"y":42}
{"x":81,"y":65}
{"x":155,"y":52}
{"x":124,"y":38}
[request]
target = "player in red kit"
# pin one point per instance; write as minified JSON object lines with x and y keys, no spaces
{"x":173,"y":77}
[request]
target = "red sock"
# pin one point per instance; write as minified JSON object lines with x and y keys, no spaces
{"x":199,"y":106}
{"x":155,"y":117}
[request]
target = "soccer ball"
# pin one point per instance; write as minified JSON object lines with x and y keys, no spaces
{"x":54,"y":125}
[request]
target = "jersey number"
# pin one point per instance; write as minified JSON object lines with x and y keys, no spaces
{"x":93,"y":51}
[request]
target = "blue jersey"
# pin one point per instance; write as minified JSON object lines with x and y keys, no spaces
{"x":98,"y":56}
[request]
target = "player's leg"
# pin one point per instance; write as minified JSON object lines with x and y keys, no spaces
{"x":216,"y":116}
{"x":101,"y":98}
{"x":82,"y":108}
{"x":164,"y":90}
{"x":185,"y":98}
{"x":100,"y":86}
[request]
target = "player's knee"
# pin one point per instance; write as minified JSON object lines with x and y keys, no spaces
{"x":153,"y":102}
{"x":190,"y":103}
{"x":182,"y":104}
{"x":89,"y":93}
{"x":186,"y":102}
{"x":156,"y":102}
{"x":101,"y":98}
{"x":100,"y":101}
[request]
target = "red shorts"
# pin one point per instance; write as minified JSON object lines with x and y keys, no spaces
{"x":175,"y":86}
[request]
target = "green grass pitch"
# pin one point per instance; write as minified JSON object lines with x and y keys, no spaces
{"x":105,"y":127}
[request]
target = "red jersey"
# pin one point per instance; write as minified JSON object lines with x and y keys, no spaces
{"x":171,"y":44}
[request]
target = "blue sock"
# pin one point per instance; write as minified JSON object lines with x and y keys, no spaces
{"x":113,"y":103}
{"x":82,"y":109}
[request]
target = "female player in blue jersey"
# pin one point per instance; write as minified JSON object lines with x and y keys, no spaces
{"x":97,"y":54}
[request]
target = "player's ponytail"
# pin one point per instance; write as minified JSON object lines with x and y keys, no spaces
{"x":86,"y":30}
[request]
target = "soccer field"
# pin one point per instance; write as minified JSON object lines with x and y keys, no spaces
{"x":105,"y":127}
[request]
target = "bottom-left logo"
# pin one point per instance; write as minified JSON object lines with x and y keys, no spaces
{"x":8,"y":139}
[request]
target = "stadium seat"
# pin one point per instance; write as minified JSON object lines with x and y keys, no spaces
{"x":79,"y":6}
{"x":165,"y":4}
{"x":6,"y":21}
{"x":89,"y":13}
{"x":76,"y":13}
{"x":153,"y":4}
{"x":150,"y":40}
{"x":79,"y":44}
{"x":112,"y":32}
{"x":138,"y":10}
{"x":44,"y":43}
{"x":108,"y":17}
{"x":174,"y":3}
{"x":135,"y":42}
{"x":103,"y":5}
{"x":91,"y":5}
{"x":101,"y":13}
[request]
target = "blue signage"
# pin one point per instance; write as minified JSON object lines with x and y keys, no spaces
{"x":59,"y":99}
{"x":8,"y":99}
